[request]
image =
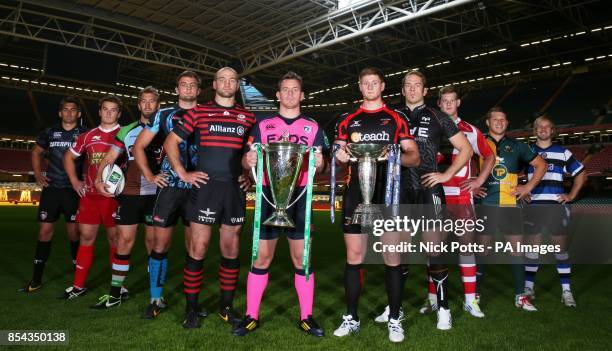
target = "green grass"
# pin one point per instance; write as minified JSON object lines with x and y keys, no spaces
{"x":554,"y":327}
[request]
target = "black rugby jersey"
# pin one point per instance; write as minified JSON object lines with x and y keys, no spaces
{"x":56,"y":140}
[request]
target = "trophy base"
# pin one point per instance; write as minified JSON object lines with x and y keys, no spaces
{"x":280,"y":219}
{"x":365,"y":215}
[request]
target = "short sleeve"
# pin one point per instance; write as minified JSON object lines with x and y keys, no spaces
{"x":449,"y":128}
{"x":482,"y":147}
{"x":154,"y":123}
{"x":43,"y":139}
{"x":526,"y":153}
{"x":78,"y":146}
{"x":572,"y":165}
{"x":185,"y":125}
{"x":341,"y":129}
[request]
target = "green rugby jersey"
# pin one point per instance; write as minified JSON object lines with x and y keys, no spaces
{"x":135,"y":182}
{"x":511,"y":156}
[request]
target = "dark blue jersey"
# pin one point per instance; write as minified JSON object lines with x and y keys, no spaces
{"x":161,"y":125}
{"x":56,"y":140}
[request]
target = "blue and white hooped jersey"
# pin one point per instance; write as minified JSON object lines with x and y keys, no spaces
{"x":560,"y":161}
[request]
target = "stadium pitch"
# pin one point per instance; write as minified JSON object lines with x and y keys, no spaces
{"x":553,"y":327}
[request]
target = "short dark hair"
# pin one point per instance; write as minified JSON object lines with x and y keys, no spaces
{"x":289,"y":76}
{"x":449,"y":89}
{"x":419,"y":74}
{"x":113,"y":99}
{"x":70,"y":100}
{"x":148,"y":90}
{"x":372,"y":71}
{"x":495,"y":109}
{"x":190,"y":74}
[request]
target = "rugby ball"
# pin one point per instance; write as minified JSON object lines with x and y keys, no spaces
{"x":113,"y":177}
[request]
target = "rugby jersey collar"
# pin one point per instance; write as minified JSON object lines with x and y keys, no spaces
{"x":418,"y":108}
{"x":225,"y":107}
{"x":288,"y":120}
{"x":109,"y":130}
{"x":374,"y":111}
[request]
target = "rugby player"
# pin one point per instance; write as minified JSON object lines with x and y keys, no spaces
{"x":94,"y":209}
{"x":503,"y":193}
{"x":372,"y":122}
{"x":173,"y":194}
{"x":221,"y":128}
{"x":57,"y":196}
{"x":458,"y":192}
{"x":552,"y":218}
{"x":137,"y":199}
{"x":423,"y":185}
{"x":300,"y":129}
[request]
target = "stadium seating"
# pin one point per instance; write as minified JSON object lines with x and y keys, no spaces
{"x":15,"y":161}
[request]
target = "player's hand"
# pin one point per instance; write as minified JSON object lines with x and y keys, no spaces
{"x":251,"y":158}
{"x":470,"y":185}
{"x":80,"y":188}
{"x":564,"y":198}
{"x":42,"y":180}
{"x":429,"y":180}
{"x":245,"y":182}
{"x":342,"y":155}
{"x":480,"y":192}
{"x":160,"y":179}
{"x":521,"y":191}
{"x":102,"y":189}
{"x":195,"y":178}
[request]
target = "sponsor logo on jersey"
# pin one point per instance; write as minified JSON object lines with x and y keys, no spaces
{"x":381,"y":136}
{"x":226,"y":113}
{"x":425,"y":119}
{"x":270,"y":126}
{"x":543,"y":154}
{"x":241,"y":117}
{"x":499,"y":172}
{"x":420,"y":132}
{"x":225,"y":129}
{"x":57,"y":135}
{"x":385,"y":121}
{"x":293,"y":138}
{"x":60,"y":144}
{"x":356,"y":123}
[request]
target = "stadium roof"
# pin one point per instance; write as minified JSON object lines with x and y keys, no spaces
{"x":466,"y":42}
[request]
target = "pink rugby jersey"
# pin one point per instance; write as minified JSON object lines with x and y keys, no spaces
{"x":481,"y":148}
{"x":300,"y":130}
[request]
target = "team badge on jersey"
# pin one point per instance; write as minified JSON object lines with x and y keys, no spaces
{"x":508,"y":148}
{"x":307,"y":129}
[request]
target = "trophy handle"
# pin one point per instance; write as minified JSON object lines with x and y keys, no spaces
{"x":264,"y":195}
{"x":312,"y":150}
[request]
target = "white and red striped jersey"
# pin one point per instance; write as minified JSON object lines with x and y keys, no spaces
{"x":481,"y":148}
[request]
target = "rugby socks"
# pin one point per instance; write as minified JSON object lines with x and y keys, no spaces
{"x":480,"y":274}
{"x":193,"y":274}
{"x":432,"y":295}
{"x":352,"y":287}
{"x":120,"y":268}
{"x":518,"y":273}
{"x":43,"y":250}
{"x":74,"y":248}
{"x":257,"y":281}
{"x":158,"y":268}
{"x":84,"y":261}
{"x":228,"y":280}
{"x":305,"y":292}
{"x":111,"y":256}
{"x":439,"y":276}
{"x":564,"y":269}
{"x":531,"y":268}
{"x":467,"y":267}
{"x":393,"y":283}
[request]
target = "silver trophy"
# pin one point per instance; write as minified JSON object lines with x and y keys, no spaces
{"x":283,"y":162}
{"x":366,"y":156}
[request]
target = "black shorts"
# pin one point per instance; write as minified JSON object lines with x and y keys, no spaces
{"x":352,"y":198}
{"x":297,"y":213}
{"x":546,"y":217}
{"x":433,"y":200}
{"x":135,"y":209}
{"x":504,"y":220}
{"x":217,"y":202}
{"x":170,"y":204}
{"x":56,"y":201}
